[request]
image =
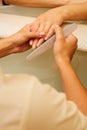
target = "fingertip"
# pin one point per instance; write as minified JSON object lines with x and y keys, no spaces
{"x":41,"y":33}
{"x":71,"y":36}
{"x":56,"y":28}
{"x":74,"y":37}
{"x":34,"y":46}
{"x":46,"y":37}
{"x":49,"y":35}
{"x":38,"y":44}
{"x":35,"y":41}
{"x":31,"y":43}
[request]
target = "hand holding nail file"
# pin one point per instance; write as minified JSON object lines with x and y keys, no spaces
{"x":67,"y":30}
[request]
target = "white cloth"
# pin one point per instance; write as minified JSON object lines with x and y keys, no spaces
{"x":26,"y":104}
{"x":10,"y":24}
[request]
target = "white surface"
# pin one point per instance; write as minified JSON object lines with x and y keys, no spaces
{"x":81,"y":34}
{"x":9,"y":24}
{"x":44,"y":66}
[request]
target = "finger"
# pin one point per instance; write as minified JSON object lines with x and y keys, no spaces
{"x":35,"y":26}
{"x":40,"y":42}
{"x":47,"y":27}
{"x":36,"y":34}
{"x":71,"y":38}
{"x":34,"y":45}
{"x":50,"y":33}
{"x":72,"y":41}
{"x":59,"y":34}
{"x":31,"y":42}
{"x":41,"y":28}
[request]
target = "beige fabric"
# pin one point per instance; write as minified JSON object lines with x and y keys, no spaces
{"x":50,"y":110}
{"x":14,"y":92}
{"x":26,"y":104}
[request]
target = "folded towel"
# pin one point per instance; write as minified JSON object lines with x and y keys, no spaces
{"x":81,"y":34}
{"x":9,"y":24}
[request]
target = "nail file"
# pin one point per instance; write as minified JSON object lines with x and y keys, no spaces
{"x":68,"y":29}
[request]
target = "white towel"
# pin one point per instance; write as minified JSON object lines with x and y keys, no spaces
{"x":81,"y":34}
{"x":9,"y":24}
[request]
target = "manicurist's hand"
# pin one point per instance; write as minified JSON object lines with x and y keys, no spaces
{"x":19,"y":41}
{"x":64,"y":48}
{"x":24,"y":35}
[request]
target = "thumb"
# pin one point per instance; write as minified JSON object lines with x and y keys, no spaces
{"x":59,"y":34}
{"x":72,"y":41}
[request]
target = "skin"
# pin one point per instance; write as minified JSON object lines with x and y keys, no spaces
{"x":38,"y":3}
{"x":64,"y":50}
{"x":18,"y":42}
{"x":42,"y":3}
{"x":46,"y":21}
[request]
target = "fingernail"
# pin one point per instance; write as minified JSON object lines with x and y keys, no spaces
{"x":38,"y":44}
{"x":46,"y":38}
{"x":42,"y":33}
{"x":33,"y":47}
{"x":30,"y":44}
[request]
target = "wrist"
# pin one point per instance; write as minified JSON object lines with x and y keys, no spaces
{"x":62,"y":61}
{"x":66,"y":12}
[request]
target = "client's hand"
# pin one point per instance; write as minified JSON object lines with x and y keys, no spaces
{"x":18,"y":42}
{"x":45,"y":22}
